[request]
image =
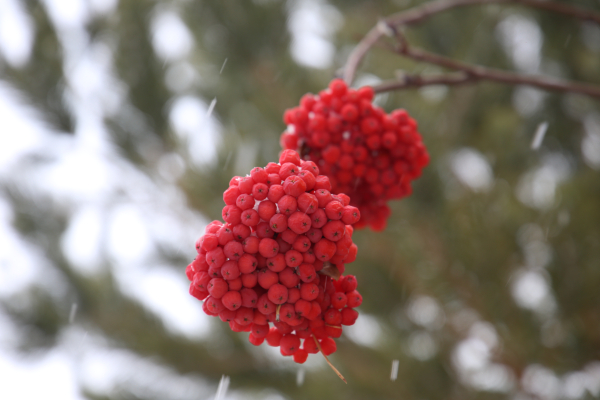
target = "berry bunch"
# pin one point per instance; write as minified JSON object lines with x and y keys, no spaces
{"x":368,"y":154}
{"x":278,"y":258}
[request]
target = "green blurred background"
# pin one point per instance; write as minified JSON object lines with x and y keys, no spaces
{"x":122,"y":121}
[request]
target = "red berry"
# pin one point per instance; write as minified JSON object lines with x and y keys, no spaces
{"x":354,"y":299}
{"x":328,"y":346}
{"x":230,"y":270}
{"x":232,"y":300}
{"x":299,"y":222}
{"x":244,"y":316}
{"x":309,"y":291}
{"x":278,"y":294}
{"x":300,"y":356}
{"x":268,"y":247}
{"x":264,"y":305}
{"x":267,"y":278}
{"x":349,"y":316}
{"x":274,"y":337}
{"x":289,"y":344}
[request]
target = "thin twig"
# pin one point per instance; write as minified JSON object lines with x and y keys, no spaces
{"x":329,"y":362}
{"x":473,"y":73}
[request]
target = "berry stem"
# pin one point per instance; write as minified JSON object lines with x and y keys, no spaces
{"x":329,"y":362}
{"x":277,"y":312}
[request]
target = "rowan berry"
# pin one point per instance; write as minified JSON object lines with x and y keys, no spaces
{"x":349,"y":316}
{"x":309,"y":291}
{"x":273,"y":338}
{"x":214,"y":305}
{"x":306,"y":272}
{"x":261,"y":266}
{"x":267,"y":278}
{"x":334,"y":230}
{"x":268,"y":247}
{"x":339,"y":300}
{"x":328,"y":346}
{"x":276,"y":192}
{"x":289,"y":344}
{"x":244,"y":316}
{"x":324,"y":249}
{"x":233,"y":250}
{"x":294,"y":186}
{"x":318,"y":218}
{"x":287,"y":205}
{"x":230,"y":270}
{"x":299,"y":222}
{"x":264,"y":305}
{"x":249,"y":297}
{"x":276,"y":263}
{"x":293,"y":295}
{"x":250,"y":244}
{"x":288,"y":278}
{"x":266,"y":209}
{"x":198,"y":293}
{"x":354,"y":299}
{"x":278,"y":222}
{"x":249,"y":280}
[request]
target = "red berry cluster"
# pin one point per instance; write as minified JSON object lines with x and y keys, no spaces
{"x":368,"y":154}
{"x":285,"y":236}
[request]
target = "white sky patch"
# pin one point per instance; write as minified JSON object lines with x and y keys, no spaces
{"x":128,"y":238}
{"x":471,"y":354}
{"x":165,"y":293}
{"x":171,"y":38}
{"x":422,"y":346}
{"x":53,"y":373}
{"x":527,"y":100}
{"x":590,"y":145}
{"x":19,"y":267}
{"x":105,"y":371}
{"x":492,"y":378}
{"x":81,"y":242}
{"x":21,"y":119}
{"x":102,"y":7}
{"x":522,"y":40}
{"x":16,"y":33}
{"x":537,"y":187}
{"x":541,"y":382}
{"x":67,"y":13}
{"x":93,"y":86}
{"x":531,"y":290}
{"x":77,"y":174}
{"x":312,"y":23}
{"x":181,"y":76}
{"x":472,"y":169}
{"x":190,"y":120}
{"x":366,"y":331}
{"x":425,"y":311}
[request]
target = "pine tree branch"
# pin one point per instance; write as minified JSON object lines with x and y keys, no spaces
{"x":468,"y":73}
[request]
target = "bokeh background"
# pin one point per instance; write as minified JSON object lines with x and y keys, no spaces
{"x":122,"y":121}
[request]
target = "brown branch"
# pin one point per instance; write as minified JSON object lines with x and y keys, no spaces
{"x":472,"y":73}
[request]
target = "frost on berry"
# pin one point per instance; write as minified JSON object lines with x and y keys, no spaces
{"x":275,"y":267}
{"x":368,"y":154}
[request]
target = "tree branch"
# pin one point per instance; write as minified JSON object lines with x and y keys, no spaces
{"x":470,"y":73}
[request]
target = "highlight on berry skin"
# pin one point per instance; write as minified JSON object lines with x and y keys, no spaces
{"x":366,"y":153}
{"x":274,"y":268}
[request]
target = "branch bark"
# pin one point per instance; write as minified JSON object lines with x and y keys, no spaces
{"x":469,"y":73}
